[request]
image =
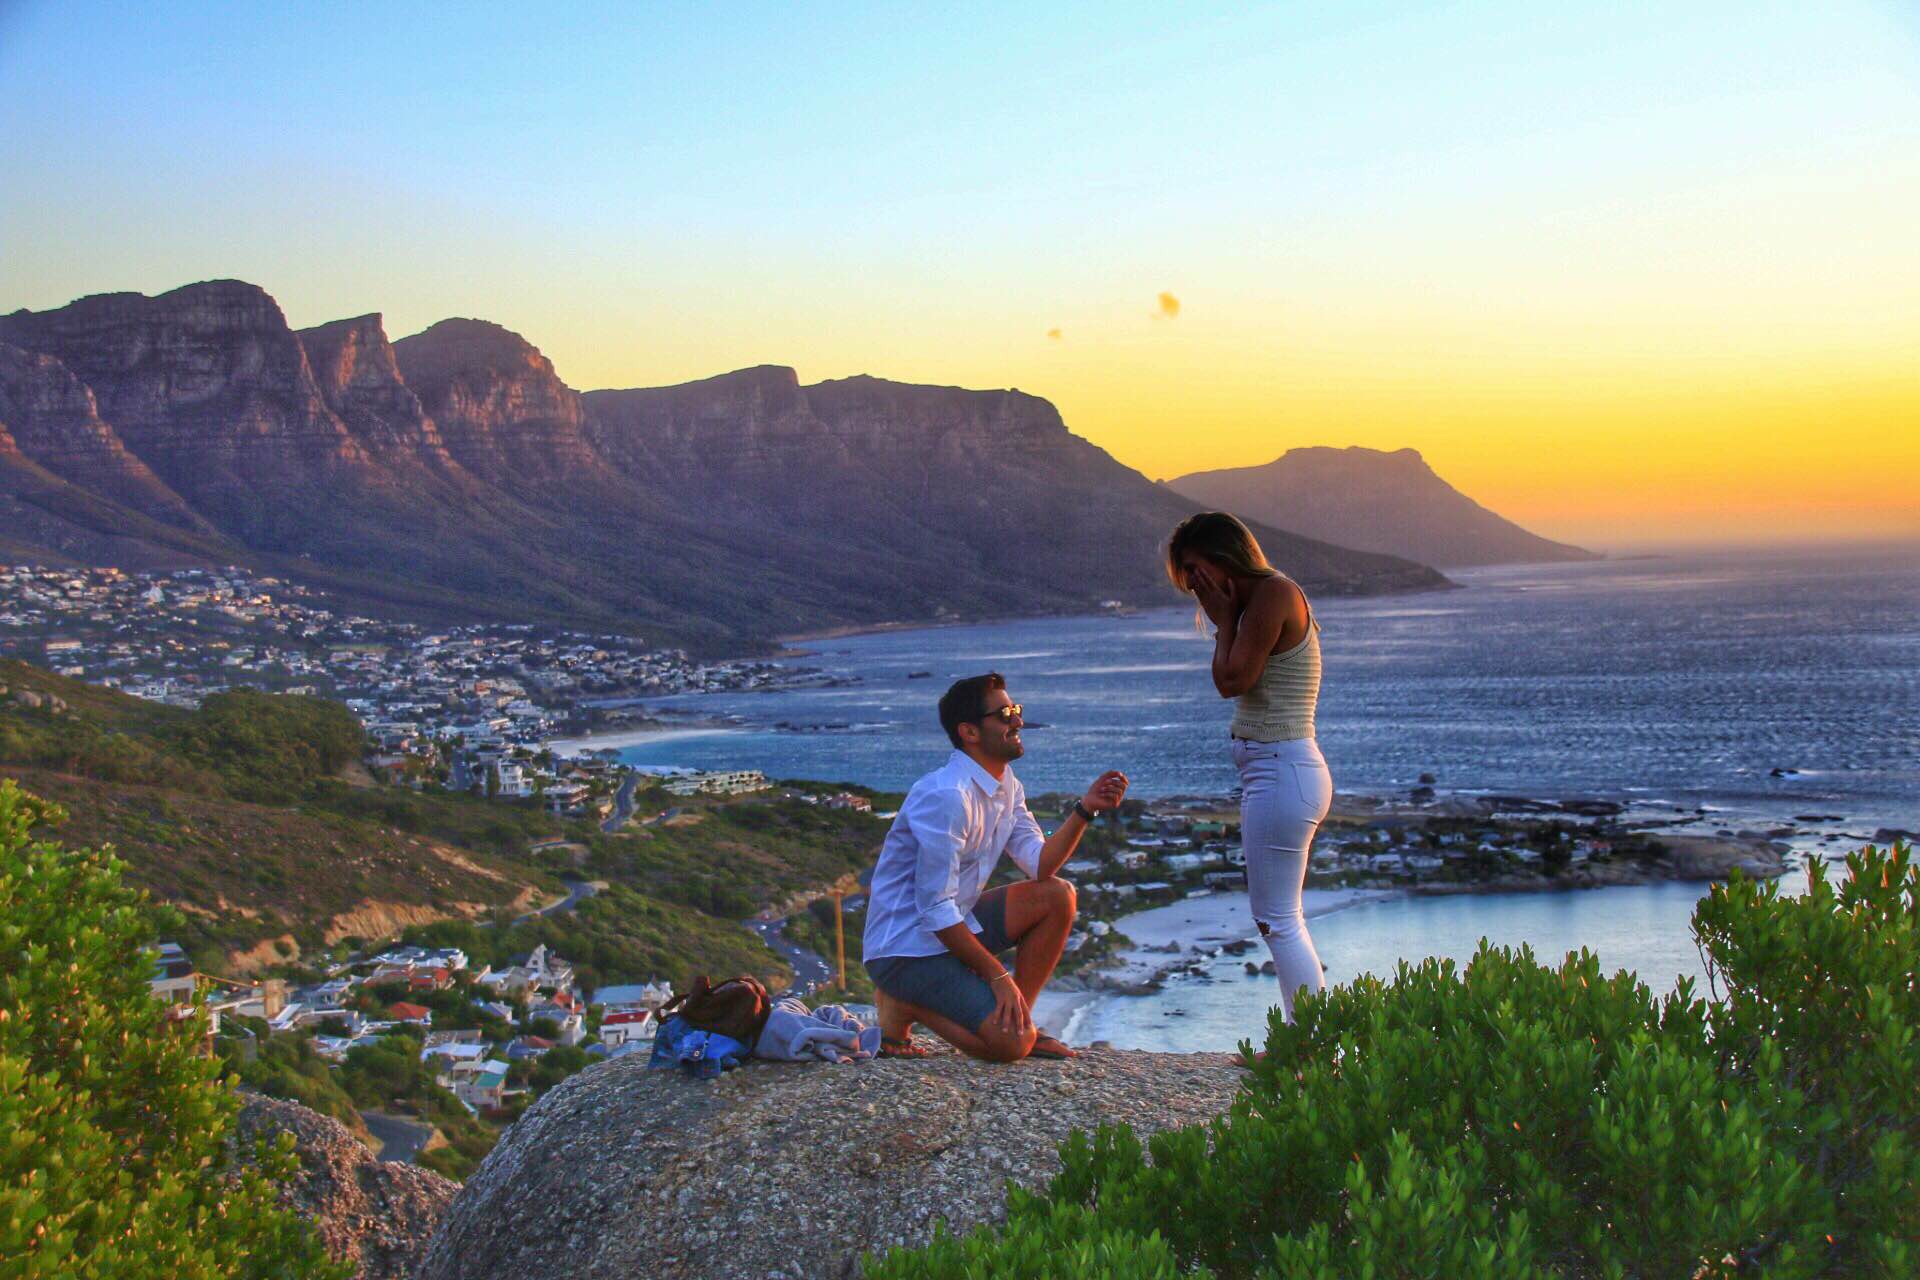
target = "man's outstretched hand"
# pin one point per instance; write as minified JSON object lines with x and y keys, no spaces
{"x":1107,"y":791}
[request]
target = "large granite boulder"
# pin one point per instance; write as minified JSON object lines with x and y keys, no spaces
{"x":377,"y":1214}
{"x":788,"y":1170}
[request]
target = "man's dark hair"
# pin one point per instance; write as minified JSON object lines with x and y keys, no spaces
{"x":966,"y":701}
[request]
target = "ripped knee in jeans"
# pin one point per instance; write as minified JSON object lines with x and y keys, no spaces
{"x":1262,"y":925}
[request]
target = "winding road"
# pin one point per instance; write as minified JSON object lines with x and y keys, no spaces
{"x":400,"y":1139}
{"x":622,"y":805}
{"x":578,"y":891}
{"x":809,"y":970}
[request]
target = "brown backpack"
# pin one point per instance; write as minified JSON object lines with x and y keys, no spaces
{"x":737,"y":1007}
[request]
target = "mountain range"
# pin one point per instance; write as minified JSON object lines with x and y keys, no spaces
{"x":453,"y":473}
{"x":1376,"y":501}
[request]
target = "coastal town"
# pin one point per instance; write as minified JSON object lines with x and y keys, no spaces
{"x":469,"y":707}
{"x":178,"y":636}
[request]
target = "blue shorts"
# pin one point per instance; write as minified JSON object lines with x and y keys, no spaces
{"x":941,"y":983}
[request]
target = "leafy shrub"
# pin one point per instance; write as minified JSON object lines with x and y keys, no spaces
{"x":268,"y":747}
{"x":1518,"y":1120}
{"x":113,"y":1126}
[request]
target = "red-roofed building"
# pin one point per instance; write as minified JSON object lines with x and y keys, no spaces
{"x":404,"y":1012}
{"x":430,"y":978}
{"x":617,"y":1029}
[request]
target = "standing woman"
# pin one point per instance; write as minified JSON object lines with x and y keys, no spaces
{"x":1266,"y":655}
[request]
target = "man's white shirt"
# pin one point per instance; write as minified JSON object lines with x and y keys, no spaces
{"x":940,"y":852}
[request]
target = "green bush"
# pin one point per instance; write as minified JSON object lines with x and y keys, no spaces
{"x":268,"y":747}
{"x":113,"y":1124}
{"x":1518,"y":1120}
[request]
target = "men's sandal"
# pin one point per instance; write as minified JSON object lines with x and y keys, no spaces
{"x":1051,"y":1049}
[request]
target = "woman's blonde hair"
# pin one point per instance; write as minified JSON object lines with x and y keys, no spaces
{"x":1221,"y":538}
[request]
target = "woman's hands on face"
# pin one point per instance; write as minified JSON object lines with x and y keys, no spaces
{"x":1214,"y":591}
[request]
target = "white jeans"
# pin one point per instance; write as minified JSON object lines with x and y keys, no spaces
{"x":1285,"y":792}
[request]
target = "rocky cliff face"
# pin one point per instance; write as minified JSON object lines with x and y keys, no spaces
{"x":209,"y":387}
{"x":502,"y":410}
{"x":453,"y":471}
{"x":54,"y":420}
{"x":377,"y":1215}
{"x":788,"y":1170}
{"x":354,"y":367}
{"x":1387,"y":502}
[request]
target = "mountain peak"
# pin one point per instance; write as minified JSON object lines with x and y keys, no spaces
{"x":1375,"y":500}
{"x":465,"y":340}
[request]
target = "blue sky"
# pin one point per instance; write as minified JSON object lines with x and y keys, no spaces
{"x":1437,"y":225}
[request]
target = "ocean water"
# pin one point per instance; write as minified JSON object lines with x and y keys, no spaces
{"x":1673,"y":684}
{"x":1684,"y":680}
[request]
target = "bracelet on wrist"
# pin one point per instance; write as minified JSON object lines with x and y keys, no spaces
{"x":1004,"y":973}
{"x":1086,"y":814}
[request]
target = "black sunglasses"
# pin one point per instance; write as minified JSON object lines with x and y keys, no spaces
{"x":1004,"y":714}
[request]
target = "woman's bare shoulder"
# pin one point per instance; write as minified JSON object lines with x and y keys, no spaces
{"x":1282,"y":591}
{"x":1280,"y":599}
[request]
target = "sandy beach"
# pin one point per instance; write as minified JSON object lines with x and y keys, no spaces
{"x":1167,"y":937}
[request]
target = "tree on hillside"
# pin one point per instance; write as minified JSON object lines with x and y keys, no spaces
{"x":113,"y":1125}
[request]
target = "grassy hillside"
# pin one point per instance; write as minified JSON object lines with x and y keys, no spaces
{"x":235,"y":814}
{"x":733,"y":859}
{"x":270,"y":883}
{"x":223,"y":813}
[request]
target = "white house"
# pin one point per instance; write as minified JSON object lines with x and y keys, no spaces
{"x":512,"y":782}
{"x":629,"y":1025}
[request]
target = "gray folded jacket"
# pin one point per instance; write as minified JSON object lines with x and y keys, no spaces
{"x":795,"y":1033}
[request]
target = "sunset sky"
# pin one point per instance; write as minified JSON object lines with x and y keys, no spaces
{"x":1627,"y":278}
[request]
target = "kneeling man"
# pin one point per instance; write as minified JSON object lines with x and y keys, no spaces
{"x":934,"y":931}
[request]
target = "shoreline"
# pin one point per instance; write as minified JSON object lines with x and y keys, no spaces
{"x":1169,"y":938}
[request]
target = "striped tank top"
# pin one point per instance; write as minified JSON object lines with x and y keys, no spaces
{"x":1280,"y":706}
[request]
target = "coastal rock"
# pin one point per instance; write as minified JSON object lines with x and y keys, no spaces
{"x":377,"y":1214}
{"x":1706,"y":858}
{"x":788,"y":1170}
